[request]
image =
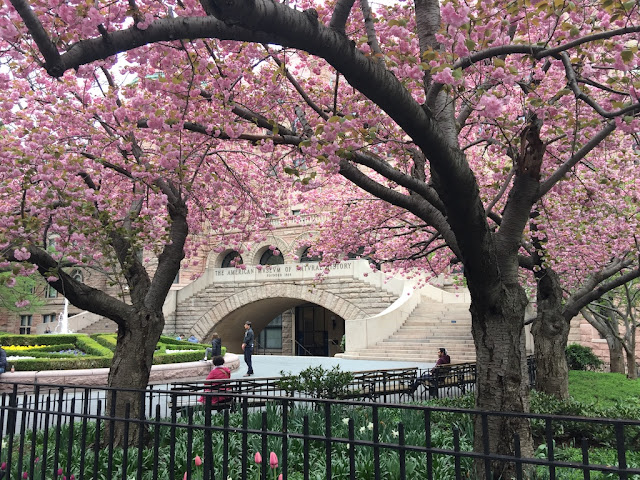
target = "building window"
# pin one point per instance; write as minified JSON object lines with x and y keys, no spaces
{"x":270,"y":258}
{"x":51,"y":292}
{"x":77,"y":276}
{"x":49,"y":318}
{"x":231,"y":259}
{"x":25,"y":324}
{"x":271,"y":336}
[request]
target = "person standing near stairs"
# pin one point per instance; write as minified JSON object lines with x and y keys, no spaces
{"x":247,"y":347}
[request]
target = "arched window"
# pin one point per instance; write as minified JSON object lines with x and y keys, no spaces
{"x":306,"y":257}
{"x":77,"y":276}
{"x":269,"y":258}
{"x":231,"y":259}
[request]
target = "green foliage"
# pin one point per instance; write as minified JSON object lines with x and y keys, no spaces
{"x":21,"y":290}
{"x":580,"y":357}
{"x":606,"y":389}
{"x":317,"y":382}
{"x":98,"y":351}
{"x":340,"y":415}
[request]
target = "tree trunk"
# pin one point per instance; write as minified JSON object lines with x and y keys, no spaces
{"x":550,"y":335}
{"x":502,"y":378}
{"x":632,"y":367}
{"x":130,"y":369}
{"x":616,"y":353}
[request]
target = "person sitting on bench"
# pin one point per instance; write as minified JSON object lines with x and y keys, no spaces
{"x":218,"y":372}
{"x":443,"y":359}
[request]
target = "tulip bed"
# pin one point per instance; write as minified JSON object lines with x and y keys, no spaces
{"x":181,"y":448}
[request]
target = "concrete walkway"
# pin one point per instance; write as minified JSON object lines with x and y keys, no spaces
{"x":272,"y":365}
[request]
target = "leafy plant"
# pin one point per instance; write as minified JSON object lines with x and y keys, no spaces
{"x":580,"y":357}
{"x":317,"y":382}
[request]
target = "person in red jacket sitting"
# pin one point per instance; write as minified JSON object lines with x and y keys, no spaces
{"x":219,"y":372}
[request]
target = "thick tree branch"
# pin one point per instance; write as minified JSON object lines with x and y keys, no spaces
{"x":45,"y":45}
{"x":413,"y":204}
{"x":372,"y":38}
{"x":79,"y":294}
{"x":341,"y":15}
{"x":593,"y":289}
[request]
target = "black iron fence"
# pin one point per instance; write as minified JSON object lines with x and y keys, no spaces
{"x":53,"y":432}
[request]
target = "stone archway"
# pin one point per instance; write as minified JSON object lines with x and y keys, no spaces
{"x":260,"y":305}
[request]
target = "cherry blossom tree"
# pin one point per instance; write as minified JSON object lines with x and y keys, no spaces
{"x":92,"y":178}
{"x":478,"y":122}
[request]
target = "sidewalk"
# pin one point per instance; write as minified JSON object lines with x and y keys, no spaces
{"x":272,"y":365}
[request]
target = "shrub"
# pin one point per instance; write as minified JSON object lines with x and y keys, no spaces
{"x":600,"y":434}
{"x":98,"y":351}
{"x":580,"y":357}
{"x":317,"y":382}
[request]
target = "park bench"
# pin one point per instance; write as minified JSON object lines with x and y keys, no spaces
{"x":446,"y":377}
{"x":381,"y":384}
{"x":184,"y":396}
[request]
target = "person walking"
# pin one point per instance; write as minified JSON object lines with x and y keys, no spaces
{"x":247,"y":347}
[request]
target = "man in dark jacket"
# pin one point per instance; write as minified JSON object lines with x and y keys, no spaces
{"x":3,"y":360}
{"x":247,"y":347}
{"x":215,"y":350}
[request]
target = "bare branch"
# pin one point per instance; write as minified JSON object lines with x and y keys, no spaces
{"x":580,"y":95}
{"x":579,"y":155}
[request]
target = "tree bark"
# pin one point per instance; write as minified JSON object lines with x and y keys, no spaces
{"x":632,"y":366}
{"x":550,"y":335}
{"x":616,"y":353}
{"x":130,"y":369}
{"x":502,"y":378}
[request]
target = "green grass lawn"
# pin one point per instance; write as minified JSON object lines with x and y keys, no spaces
{"x":603,"y":389}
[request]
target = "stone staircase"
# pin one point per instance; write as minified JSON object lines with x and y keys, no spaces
{"x":368,"y":298}
{"x":430,"y":326}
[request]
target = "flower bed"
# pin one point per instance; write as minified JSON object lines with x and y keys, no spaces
{"x":78,"y":351}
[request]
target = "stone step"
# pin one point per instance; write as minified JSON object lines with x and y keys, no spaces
{"x":408,"y":358}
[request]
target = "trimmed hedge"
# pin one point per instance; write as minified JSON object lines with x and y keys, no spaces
{"x":99,"y":350}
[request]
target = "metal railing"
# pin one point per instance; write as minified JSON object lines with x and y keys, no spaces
{"x":56,"y":431}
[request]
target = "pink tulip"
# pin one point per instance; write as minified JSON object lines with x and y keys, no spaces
{"x":198,"y":460}
{"x":25,"y":475}
{"x":72,"y":477}
{"x":185,"y":476}
{"x":258,"y":457}
{"x":273,"y":460}
{"x":280,"y":477}
{"x":59,"y":471}
{"x":3,"y":466}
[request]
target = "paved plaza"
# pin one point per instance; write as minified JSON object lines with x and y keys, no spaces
{"x":272,"y":365}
